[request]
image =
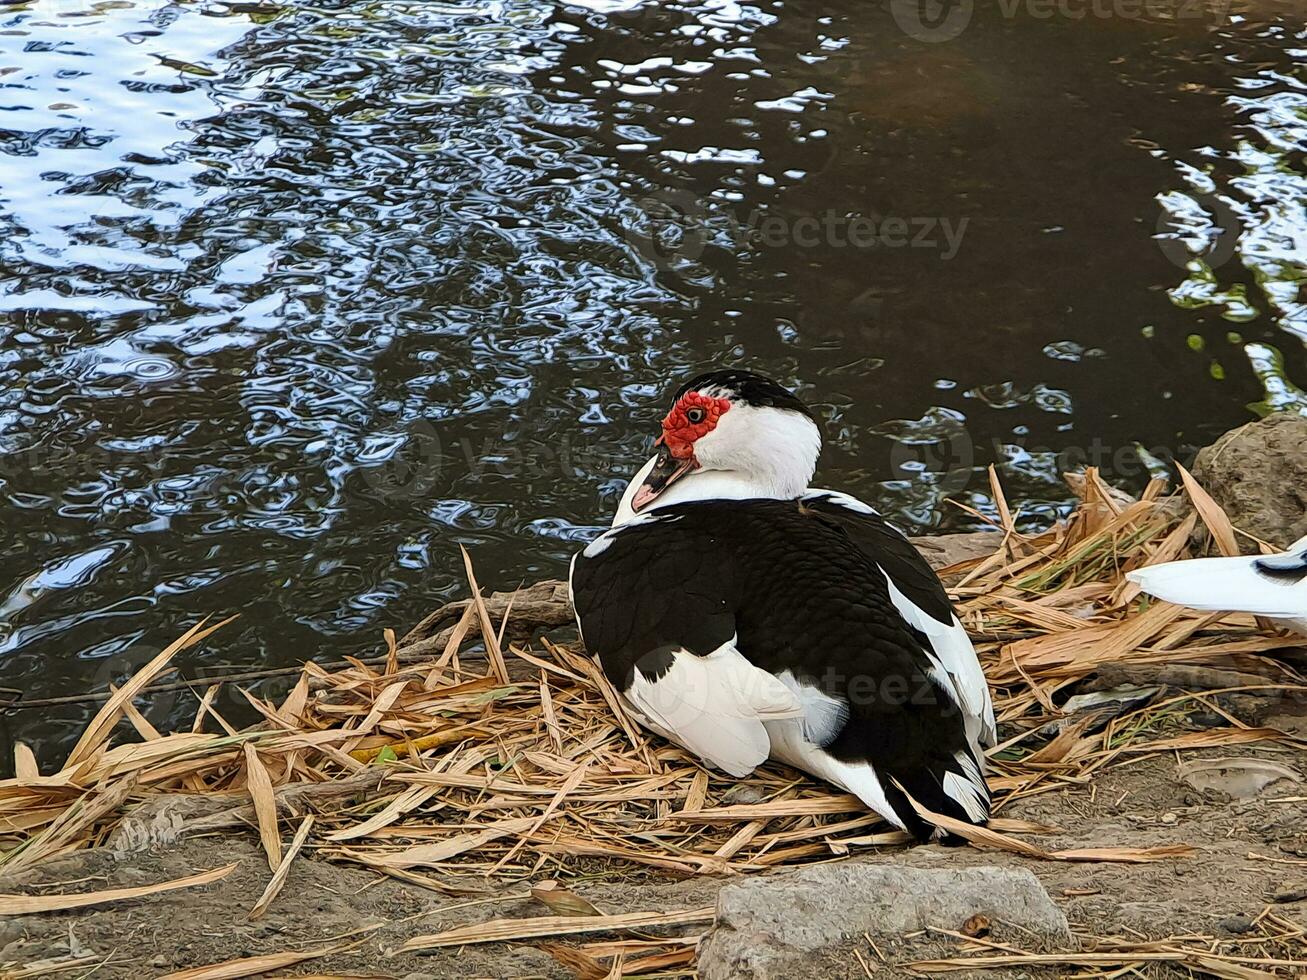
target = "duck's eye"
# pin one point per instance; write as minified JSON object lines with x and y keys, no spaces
{"x":696,"y":415}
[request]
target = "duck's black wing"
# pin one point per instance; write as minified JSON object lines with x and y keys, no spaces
{"x":920,"y":598}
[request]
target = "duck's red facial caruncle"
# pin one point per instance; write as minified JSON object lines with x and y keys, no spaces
{"x":694,"y":415}
{"x":691,"y":418}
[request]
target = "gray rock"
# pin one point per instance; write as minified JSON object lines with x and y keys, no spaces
{"x":1258,"y":473}
{"x":1236,"y":779}
{"x":742,"y":793}
{"x":941,"y":550}
{"x":11,"y":930}
{"x":1289,"y":892}
{"x":765,"y":926}
{"x":1235,"y":925}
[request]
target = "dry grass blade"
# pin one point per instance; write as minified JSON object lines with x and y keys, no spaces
{"x":505,"y":930}
{"x":1125,"y":855}
{"x":1212,"y":514}
{"x":1222,"y":968}
{"x":410,"y":799}
{"x":987,"y":837}
{"x":826,"y":804}
{"x":561,"y":901}
{"x":265,"y":805}
{"x":102,"y":724}
{"x":250,"y":966}
{"x":436,"y":854}
{"x":48,"y":968}
{"x":582,"y":964}
{"x":75,"y":821}
{"x":569,"y":785}
{"x":283,"y":870}
{"x":142,"y":725}
{"x":488,"y":635}
{"x":25,"y":767}
{"x":1195,"y":960}
{"x":1028,"y":960}
{"x":980,"y":836}
{"x":31,"y":904}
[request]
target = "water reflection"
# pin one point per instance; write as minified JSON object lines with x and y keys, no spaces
{"x":296,"y":299}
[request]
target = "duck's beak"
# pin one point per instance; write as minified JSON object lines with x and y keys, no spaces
{"x":667,"y":469}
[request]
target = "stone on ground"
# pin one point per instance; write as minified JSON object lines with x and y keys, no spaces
{"x":767,"y":926}
{"x":1258,"y":473}
{"x":942,"y":550}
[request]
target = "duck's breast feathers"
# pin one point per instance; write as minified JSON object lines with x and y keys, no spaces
{"x":654,"y":583}
{"x":717,"y":705}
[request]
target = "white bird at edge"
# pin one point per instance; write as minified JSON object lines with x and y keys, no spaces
{"x":1274,"y":586}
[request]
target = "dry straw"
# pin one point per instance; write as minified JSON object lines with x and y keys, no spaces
{"x":459,"y":770}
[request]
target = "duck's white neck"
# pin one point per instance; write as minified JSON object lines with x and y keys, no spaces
{"x":703,"y":485}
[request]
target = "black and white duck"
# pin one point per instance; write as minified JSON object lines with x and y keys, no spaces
{"x":746,"y":616}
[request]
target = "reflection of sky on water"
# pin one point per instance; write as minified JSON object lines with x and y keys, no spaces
{"x":1242,"y":211}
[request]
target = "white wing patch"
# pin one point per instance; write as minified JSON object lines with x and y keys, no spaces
{"x":848,"y":503}
{"x":969,"y":790}
{"x":599,"y":545}
{"x":789,"y":745}
{"x":602,"y":543}
{"x":715,"y":706}
{"x":824,"y":716}
{"x":571,"y":597}
{"x":957,"y":666}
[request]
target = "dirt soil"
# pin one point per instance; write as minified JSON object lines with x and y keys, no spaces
{"x":1216,"y":892}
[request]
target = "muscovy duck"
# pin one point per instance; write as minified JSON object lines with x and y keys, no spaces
{"x":744,"y":616}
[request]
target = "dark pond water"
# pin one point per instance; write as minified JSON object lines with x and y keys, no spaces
{"x":297,"y":299}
